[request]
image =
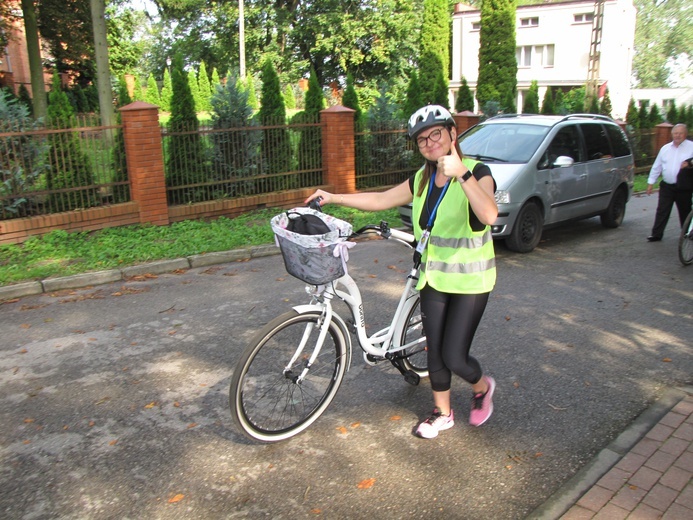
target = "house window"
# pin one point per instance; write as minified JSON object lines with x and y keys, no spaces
{"x":583,"y":17}
{"x":476,"y":26}
{"x":529,"y":22}
{"x":524,"y":56}
{"x":535,"y":56}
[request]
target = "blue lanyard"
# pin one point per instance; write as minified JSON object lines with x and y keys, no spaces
{"x":432,"y":216}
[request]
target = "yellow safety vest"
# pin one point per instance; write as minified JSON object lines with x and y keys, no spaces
{"x":457,"y":260}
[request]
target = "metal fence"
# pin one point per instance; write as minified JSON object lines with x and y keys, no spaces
{"x":48,"y":170}
{"x":216,"y":163}
{"x":384,"y":156}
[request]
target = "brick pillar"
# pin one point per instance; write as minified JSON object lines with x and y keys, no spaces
{"x":465,"y":120}
{"x":338,"y":148}
{"x":145,"y":160}
{"x":662,"y":136}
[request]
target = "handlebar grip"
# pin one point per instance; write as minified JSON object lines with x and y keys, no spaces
{"x":315,"y":204}
{"x":402,"y":235}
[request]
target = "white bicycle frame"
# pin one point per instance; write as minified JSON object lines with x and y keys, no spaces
{"x":378,"y":344}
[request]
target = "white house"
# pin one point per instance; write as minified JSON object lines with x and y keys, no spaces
{"x":553,"y":47}
{"x":663,"y":97}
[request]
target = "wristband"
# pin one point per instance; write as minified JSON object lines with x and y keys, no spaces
{"x":465,"y":177}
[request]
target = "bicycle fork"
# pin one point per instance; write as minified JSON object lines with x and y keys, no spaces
{"x":323,"y":323}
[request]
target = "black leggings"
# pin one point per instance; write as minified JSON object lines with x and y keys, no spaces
{"x":450,"y":322}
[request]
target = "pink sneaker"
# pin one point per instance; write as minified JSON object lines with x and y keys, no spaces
{"x":437,"y":422}
{"x":482,"y":404}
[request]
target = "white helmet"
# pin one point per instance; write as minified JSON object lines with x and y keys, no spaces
{"x":428,"y":116}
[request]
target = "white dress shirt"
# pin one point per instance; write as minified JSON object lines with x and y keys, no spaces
{"x":668,"y":161}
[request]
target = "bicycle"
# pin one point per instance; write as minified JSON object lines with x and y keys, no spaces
{"x":291,"y":370}
{"x":686,"y":241}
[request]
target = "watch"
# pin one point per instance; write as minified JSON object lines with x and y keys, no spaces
{"x":465,"y":177}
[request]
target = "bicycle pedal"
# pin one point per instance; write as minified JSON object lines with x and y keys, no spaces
{"x":412,"y":377}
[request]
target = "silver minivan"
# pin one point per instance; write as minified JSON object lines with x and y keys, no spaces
{"x":551,"y":169}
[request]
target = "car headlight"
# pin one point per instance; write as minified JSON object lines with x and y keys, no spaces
{"x":502,"y":197}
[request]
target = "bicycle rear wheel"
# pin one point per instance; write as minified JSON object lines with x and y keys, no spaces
{"x":268,"y":401}
{"x":686,"y":241}
{"x":416,"y":356}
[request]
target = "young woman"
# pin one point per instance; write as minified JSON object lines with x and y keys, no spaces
{"x":453,"y":207}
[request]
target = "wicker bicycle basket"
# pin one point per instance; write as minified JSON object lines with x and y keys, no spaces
{"x":312,"y":258}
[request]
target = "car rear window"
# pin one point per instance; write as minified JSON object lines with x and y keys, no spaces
{"x":596,"y":141}
{"x":619,"y":142}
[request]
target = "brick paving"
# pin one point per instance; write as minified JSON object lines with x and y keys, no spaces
{"x":654,"y":480}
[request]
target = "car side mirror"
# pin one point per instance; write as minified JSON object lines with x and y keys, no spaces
{"x":563,"y":161}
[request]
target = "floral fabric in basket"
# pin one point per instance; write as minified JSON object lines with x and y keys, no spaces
{"x":315,"y":259}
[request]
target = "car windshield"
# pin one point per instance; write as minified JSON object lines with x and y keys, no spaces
{"x":512,"y":143}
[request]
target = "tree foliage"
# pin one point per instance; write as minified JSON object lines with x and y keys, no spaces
{"x":605,"y":108}
{"x":663,"y":35}
{"x":497,"y":64}
{"x":434,"y":54}
{"x":547,"y":107}
{"x":70,"y":168}
{"x":276,"y":148}
{"x":531,"y":101}
{"x":465,"y":99}
{"x":632,"y":117}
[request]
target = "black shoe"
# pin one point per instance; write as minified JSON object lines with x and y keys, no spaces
{"x":653,"y":238}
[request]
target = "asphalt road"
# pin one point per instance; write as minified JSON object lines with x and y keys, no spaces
{"x":114,"y":398}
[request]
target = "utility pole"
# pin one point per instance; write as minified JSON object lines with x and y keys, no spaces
{"x":592,"y":89}
{"x":241,"y":37}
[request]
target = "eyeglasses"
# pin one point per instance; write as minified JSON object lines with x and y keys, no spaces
{"x":433,"y":136}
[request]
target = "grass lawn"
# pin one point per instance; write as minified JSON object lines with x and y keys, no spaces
{"x":61,"y":253}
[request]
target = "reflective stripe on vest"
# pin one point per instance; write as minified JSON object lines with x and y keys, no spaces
{"x":457,"y":259}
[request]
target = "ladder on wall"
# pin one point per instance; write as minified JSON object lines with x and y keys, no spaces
{"x":595,"y":52}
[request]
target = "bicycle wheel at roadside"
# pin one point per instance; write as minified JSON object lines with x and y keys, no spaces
{"x":686,"y":241}
{"x":276,"y":390}
{"x":416,"y":356}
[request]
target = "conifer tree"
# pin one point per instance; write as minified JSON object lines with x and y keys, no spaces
{"x":152,"y":93}
{"x":509,"y":106}
{"x":465,"y":100}
{"x":70,"y":167}
{"x":655,"y":116}
{"x":632,"y":116}
{"x":185,"y":162}
{"x":575,"y":100}
{"x":252,"y":95}
{"x":309,"y":142}
{"x":440,"y":92}
{"x":547,"y":104}
{"x":559,"y":104}
{"x":530,"y":104}
{"x":672,"y":113}
{"x":643,"y":116}
{"x":205,"y":89}
{"x":351,"y":100}
{"x":216,"y":81}
{"x":166,"y":92}
{"x":434,"y":56}
{"x":235,"y":153}
{"x":137,"y":94}
{"x":497,"y":64}
{"x":194,"y":90}
{"x":276,"y":148}
{"x":605,"y":105}
{"x":289,"y":97}
{"x":414,"y":99}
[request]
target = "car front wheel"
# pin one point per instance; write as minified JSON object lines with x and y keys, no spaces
{"x":526,"y":232}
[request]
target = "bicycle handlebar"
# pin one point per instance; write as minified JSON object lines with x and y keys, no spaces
{"x":383,"y":229}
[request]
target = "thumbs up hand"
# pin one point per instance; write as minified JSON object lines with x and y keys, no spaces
{"x":451,"y":165}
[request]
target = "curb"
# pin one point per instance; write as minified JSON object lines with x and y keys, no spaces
{"x":570,"y":492}
{"x":113,"y":275}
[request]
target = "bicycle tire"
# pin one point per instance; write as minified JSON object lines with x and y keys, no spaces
{"x":415,"y":359}
{"x":267,"y":403}
{"x":686,"y":241}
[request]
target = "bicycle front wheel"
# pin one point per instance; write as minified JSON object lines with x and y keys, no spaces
{"x":686,"y":241}
{"x":416,"y":356}
{"x":270,"y":399}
